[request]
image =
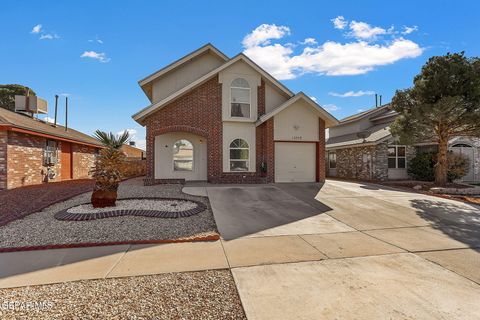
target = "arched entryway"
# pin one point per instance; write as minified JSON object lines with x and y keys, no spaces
{"x":469,"y":152}
{"x":180,"y":155}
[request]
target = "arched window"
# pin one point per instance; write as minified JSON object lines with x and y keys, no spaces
{"x":239,"y":155}
{"x":183,"y":155}
{"x":240,"y":98}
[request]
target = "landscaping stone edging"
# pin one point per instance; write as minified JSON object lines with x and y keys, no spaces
{"x":64,"y":215}
{"x":457,"y":191}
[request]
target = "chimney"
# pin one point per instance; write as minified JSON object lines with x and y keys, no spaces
{"x":56,"y":108}
{"x":66,"y":113}
{"x":132,"y":143}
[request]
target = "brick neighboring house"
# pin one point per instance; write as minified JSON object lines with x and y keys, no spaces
{"x":362,"y":147}
{"x":33,"y":151}
{"x":226,"y":120}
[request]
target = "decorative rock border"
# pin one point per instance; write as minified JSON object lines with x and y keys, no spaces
{"x":64,"y":215}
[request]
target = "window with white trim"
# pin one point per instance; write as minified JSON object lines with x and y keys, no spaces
{"x":183,"y":155}
{"x":239,"y":155}
{"x":397,"y":157}
{"x":332,"y":160}
{"x":240,"y":98}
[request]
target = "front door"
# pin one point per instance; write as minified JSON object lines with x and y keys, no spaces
{"x":467,"y":151}
{"x":66,"y":161}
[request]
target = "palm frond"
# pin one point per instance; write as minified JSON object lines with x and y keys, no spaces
{"x":110,"y":140}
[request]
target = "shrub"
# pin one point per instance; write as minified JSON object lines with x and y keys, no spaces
{"x":422,"y":166}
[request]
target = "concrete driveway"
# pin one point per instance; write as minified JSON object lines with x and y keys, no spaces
{"x":349,"y":251}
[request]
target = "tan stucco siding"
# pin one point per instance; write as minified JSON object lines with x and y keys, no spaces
{"x":164,"y":157}
{"x":239,"y":70}
{"x":296,"y":123}
{"x":239,"y":130}
{"x":184,"y":75}
{"x":273,"y":97}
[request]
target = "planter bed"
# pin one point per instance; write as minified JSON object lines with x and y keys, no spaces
{"x":41,"y":229}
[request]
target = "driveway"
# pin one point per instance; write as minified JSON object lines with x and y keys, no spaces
{"x":347,"y":250}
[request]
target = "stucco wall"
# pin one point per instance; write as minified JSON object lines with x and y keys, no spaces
{"x":298,"y":123}
{"x":164,"y":156}
{"x":273,"y":97}
{"x":235,"y":130}
{"x":239,"y":70}
{"x":183,"y":75}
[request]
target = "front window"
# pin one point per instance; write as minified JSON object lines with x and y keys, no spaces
{"x":50,"y":153}
{"x":397,"y":157}
{"x":240,"y":98}
{"x":332,"y":160}
{"x":183,"y":156}
{"x":239,"y":155}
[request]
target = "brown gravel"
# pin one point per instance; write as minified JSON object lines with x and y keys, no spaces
{"x":14,"y":203}
{"x":191,"y":295}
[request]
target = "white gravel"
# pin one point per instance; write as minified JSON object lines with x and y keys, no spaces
{"x":43,"y":229}
{"x":143,"y":204}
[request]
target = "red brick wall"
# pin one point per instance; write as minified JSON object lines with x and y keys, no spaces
{"x":200,"y":112}
{"x":321,"y":151}
{"x":83,"y":159}
{"x":25,"y":160}
{"x":3,"y":159}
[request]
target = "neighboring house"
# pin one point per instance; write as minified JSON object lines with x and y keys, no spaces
{"x":362,"y":147}
{"x":226,"y":120}
{"x":132,"y":152}
{"x":33,"y":151}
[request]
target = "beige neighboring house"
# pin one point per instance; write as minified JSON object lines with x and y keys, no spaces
{"x":362,"y":147}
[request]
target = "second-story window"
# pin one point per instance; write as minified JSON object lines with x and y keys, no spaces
{"x":240,"y":98}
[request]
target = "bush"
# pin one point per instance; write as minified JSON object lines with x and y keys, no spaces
{"x":422,"y":166}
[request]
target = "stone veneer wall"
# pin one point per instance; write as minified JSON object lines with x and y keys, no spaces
{"x":3,"y":159}
{"x":83,"y":160}
{"x":366,"y":162}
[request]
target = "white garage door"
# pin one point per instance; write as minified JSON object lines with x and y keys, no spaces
{"x":295,"y":162}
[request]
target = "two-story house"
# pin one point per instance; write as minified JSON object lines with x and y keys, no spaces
{"x":226,"y":120}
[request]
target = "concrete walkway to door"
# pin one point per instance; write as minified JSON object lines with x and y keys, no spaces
{"x":295,"y":252}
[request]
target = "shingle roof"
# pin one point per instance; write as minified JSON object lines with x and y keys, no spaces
{"x":363,"y":113}
{"x":21,"y":121}
{"x":374,"y":134}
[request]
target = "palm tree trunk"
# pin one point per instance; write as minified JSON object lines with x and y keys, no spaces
{"x":441,"y":165}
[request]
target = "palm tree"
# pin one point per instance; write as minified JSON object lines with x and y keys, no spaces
{"x":108,"y":168}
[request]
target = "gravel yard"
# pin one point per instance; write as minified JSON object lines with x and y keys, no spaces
{"x":192,"y":295}
{"x":42,"y":229}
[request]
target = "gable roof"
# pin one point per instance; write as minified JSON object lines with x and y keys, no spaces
{"x":142,"y":114}
{"x":363,"y":114}
{"x":322,"y":113}
{"x":20,"y":122}
{"x":373,"y":135}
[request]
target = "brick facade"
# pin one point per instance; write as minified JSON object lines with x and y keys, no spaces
{"x":23,"y":165}
{"x":200,"y":112}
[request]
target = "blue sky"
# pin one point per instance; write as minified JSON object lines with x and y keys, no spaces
{"x":378,"y":46}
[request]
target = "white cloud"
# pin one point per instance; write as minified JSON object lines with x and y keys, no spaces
{"x":48,"y":119}
{"x":139,"y":143}
{"x":339,"y":22}
{"x":65,"y":94}
{"x":263,"y":34}
{"x":49,"y":36}
{"x":408,"y":30}
{"x":364,"y":31}
{"x":100,"y":56}
{"x":348,"y":94}
{"x":97,"y":40}
{"x":309,"y":41}
{"x":330,"y":58}
{"x":131,"y":132}
{"x":36,"y":29}
{"x":314,"y":99}
{"x":330,"y":107}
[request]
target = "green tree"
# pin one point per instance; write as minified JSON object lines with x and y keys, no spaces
{"x":8,"y":92}
{"x":444,"y":102}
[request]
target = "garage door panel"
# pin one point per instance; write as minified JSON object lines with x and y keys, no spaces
{"x":295,"y":162}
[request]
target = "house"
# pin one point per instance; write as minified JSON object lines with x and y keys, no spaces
{"x":33,"y":151}
{"x":362,"y":147}
{"x":226,"y":120}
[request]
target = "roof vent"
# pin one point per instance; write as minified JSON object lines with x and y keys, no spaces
{"x":132,"y":143}
{"x":30,"y":104}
